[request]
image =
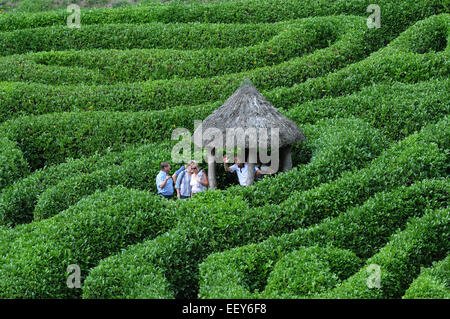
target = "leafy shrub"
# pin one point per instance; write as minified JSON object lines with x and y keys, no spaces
{"x":98,"y":226}
{"x":350,"y":46}
{"x":432,"y":283}
{"x":337,"y":145}
{"x":112,"y":66}
{"x":18,"y":201}
{"x":138,"y":173}
{"x":238,"y":272}
{"x":423,"y":241}
{"x":206,"y":230}
{"x":396,"y":15}
{"x":308,"y":271}
{"x":397,"y":110}
{"x":12,"y":163}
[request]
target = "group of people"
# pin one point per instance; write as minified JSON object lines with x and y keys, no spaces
{"x":190,"y":179}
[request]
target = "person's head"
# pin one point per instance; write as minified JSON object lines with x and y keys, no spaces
{"x":194,"y":167}
{"x":237,"y":161}
{"x":188,"y":167}
{"x":165,"y":167}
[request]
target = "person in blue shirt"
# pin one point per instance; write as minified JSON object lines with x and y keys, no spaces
{"x":164,"y":182}
{"x":183,"y":181}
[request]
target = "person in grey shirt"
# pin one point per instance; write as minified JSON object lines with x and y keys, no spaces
{"x":183,"y":184}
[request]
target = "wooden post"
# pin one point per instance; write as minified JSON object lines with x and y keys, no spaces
{"x":252,"y":157}
{"x":212,"y":168}
{"x":285,"y":159}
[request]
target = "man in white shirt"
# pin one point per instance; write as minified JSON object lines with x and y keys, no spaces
{"x":241,"y":169}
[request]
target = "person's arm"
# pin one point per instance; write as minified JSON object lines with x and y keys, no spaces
{"x":257,"y":172}
{"x":175,"y":175}
{"x":205,"y":181}
{"x":225,"y":163}
{"x":163,"y":184}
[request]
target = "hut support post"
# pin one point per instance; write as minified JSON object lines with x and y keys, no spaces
{"x":285,"y":159}
{"x":252,"y":158}
{"x":212,"y":168}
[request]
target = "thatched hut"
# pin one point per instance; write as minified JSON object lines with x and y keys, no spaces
{"x":246,"y":109}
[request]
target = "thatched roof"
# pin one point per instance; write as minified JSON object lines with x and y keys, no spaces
{"x":248,"y":108}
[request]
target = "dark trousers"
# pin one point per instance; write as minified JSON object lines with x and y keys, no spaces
{"x":166,"y":196}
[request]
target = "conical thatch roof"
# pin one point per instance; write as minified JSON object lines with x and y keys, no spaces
{"x":248,"y":108}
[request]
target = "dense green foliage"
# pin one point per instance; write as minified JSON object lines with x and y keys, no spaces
{"x":87,"y":114}
{"x":432,"y":283}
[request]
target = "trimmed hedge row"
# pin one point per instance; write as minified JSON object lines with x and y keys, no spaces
{"x":397,"y":109}
{"x":35,"y":98}
{"x":177,"y":253}
{"x":337,"y":145}
{"x":51,"y":138}
{"x":422,"y":242}
{"x":340,"y":145}
{"x":309,"y":271}
{"x":96,"y":227}
{"x":18,"y":201}
{"x":139,"y":173}
{"x":396,"y":15}
{"x":243,"y":271}
{"x":112,"y":66}
{"x":12,"y":163}
{"x":394,"y":63}
{"x":387,"y":65}
{"x":192,"y":36}
{"x":432,"y":283}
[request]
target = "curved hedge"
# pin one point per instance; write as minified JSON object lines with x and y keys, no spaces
{"x":18,"y":200}
{"x":396,"y":109}
{"x":12,"y":163}
{"x":96,"y":227}
{"x":387,"y":65}
{"x":34,"y":98}
{"x":340,"y":145}
{"x":177,"y":253}
{"x":423,"y":241}
{"x":191,"y":36}
{"x":243,"y":271}
{"x":396,"y":15}
{"x":51,"y":138}
{"x":112,"y":66}
{"x":309,"y":271}
{"x":394,"y":63}
{"x":432,"y":283}
{"x":337,"y":145}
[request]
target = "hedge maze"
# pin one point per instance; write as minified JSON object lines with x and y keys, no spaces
{"x":86,"y":116}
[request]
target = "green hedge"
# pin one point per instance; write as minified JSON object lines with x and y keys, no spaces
{"x":337,"y":145}
{"x":396,"y":15}
{"x":340,"y":144}
{"x":112,"y":66}
{"x":423,"y":241}
{"x":397,"y":109}
{"x":18,"y":200}
{"x":51,"y":138}
{"x":139,"y":173}
{"x":98,"y":226}
{"x":432,"y":283}
{"x":394,"y":63}
{"x":192,"y":36}
{"x":26,"y":98}
{"x":243,"y":271}
{"x":308,"y":271}
{"x":205,"y":230}
{"x":12,"y":163}
{"x":387,"y":65}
